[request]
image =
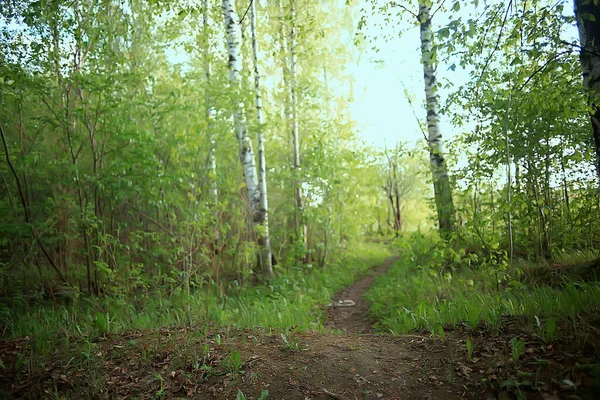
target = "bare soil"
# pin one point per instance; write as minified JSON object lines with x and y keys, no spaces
{"x":350,"y":362}
{"x":355,"y":319}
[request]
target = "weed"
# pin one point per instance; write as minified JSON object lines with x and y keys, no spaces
{"x":352,"y":347}
{"x":234,"y":364}
{"x":547,"y":332}
{"x":290,"y":299}
{"x":263,"y":395}
{"x":207,"y":371}
{"x":517,"y":347}
{"x":289,"y":345}
{"x":160,"y":393}
{"x":241,"y":396}
{"x":449,"y":373}
{"x":470,"y":348}
{"x":440,"y":331}
{"x":147,"y":354}
{"x":85,"y":358}
{"x":416,"y":294}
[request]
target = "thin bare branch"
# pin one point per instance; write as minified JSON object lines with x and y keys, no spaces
{"x":438,"y":9}
{"x":246,"y":13}
{"x":497,"y":41}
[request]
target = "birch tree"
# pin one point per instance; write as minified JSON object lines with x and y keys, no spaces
{"x":441,"y":182}
{"x":210,"y":111}
{"x":299,"y":215}
{"x":587,"y":13}
{"x":246,"y":152}
{"x":262,"y":169}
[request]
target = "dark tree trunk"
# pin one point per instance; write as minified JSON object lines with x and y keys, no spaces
{"x":587,"y":13}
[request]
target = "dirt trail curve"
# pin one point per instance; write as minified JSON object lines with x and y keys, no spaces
{"x":357,"y":318}
{"x":176,"y":363}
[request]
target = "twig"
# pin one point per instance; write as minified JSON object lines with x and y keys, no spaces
{"x":246,"y":13}
{"x":164,"y":228}
{"x":497,"y":41}
{"x":542,"y":67}
{"x":438,"y":9}
{"x":412,"y":107}
{"x":25,"y":208}
{"x":583,"y":49}
{"x":394,"y":4}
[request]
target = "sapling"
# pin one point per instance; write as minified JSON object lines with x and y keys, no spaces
{"x":517,"y":349}
{"x":470,"y":349}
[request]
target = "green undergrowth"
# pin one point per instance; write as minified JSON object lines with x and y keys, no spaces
{"x":432,"y":286}
{"x":294,"y":299}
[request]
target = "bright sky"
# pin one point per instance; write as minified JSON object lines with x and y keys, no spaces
{"x":380,"y":107}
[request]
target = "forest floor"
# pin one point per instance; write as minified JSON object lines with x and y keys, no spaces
{"x":348,"y":361}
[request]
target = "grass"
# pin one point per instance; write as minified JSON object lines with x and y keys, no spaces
{"x":293,"y":300}
{"x":418,"y":295}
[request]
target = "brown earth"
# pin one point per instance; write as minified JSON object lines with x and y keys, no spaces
{"x":343,"y":364}
{"x":356,"y":319}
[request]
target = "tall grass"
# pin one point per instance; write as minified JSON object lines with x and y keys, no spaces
{"x":295,"y":298}
{"x":416,"y":295}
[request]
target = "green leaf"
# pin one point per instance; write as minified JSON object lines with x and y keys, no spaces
{"x":589,"y":17}
{"x":456,"y":6}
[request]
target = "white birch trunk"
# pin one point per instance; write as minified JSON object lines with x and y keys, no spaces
{"x":246,"y":153}
{"x":285,"y":66}
{"x":300,"y":226}
{"x":210,"y":111}
{"x":441,"y":182}
{"x":263,"y":210}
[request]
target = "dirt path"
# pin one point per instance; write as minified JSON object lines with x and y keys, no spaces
{"x":353,"y":364}
{"x":357,"y":318}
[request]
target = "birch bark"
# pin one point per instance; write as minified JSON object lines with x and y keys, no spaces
{"x":257,"y":202}
{"x":441,"y":181}
{"x":263,"y":210}
{"x":246,"y":152}
{"x":299,"y":215}
{"x":210,"y":111}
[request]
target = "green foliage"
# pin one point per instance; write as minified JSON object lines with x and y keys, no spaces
{"x":234,"y":364}
{"x":264,"y":395}
{"x":517,"y":346}
{"x":293,"y":299}
{"x":526,"y":132}
{"x":106,"y":123}
{"x":425,"y":289}
{"x":470,"y":349}
{"x":547,"y":332}
{"x":290,"y":345}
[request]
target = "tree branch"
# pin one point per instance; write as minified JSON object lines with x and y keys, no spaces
{"x":497,"y":41}
{"x":438,"y":9}
{"x":24,"y":204}
{"x":542,"y":67}
{"x":412,"y":107}
{"x":394,"y":4}
{"x":246,"y":13}
{"x":581,"y":48}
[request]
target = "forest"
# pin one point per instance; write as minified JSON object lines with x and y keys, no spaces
{"x":192,"y":207}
